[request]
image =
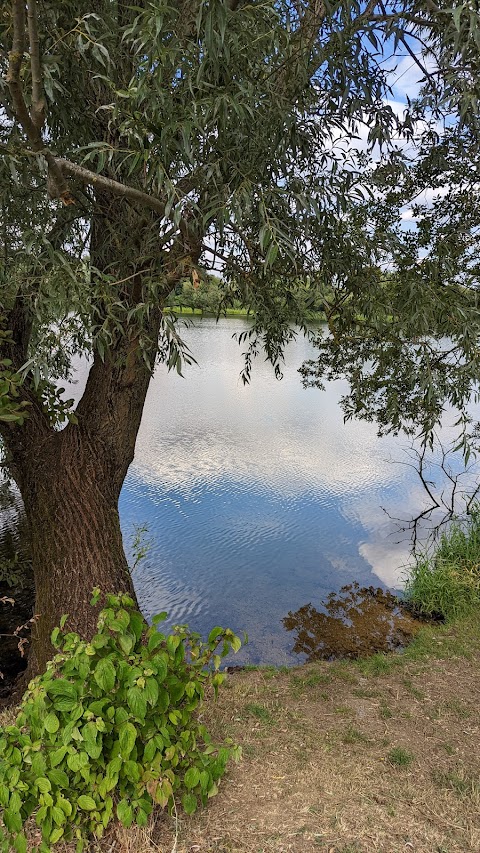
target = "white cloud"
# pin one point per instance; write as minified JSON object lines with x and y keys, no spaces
{"x":405,"y":76}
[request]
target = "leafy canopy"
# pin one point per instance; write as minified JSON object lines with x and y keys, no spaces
{"x":178,"y":142}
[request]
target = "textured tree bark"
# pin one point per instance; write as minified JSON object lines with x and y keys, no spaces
{"x":70,"y":481}
{"x":71,"y":504}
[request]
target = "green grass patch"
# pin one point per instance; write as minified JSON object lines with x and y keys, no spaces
{"x":260,"y":712}
{"x":457,"y":708}
{"x":400,"y":757}
{"x":414,"y":691}
{"x":447,"y":581}
{"x":182,"y":310}
{"x":378,"y":664}
{"x":353,"y":735}
{"x":302,"y":682}
{"x":385,"y":712}
{"x":435,"y":641}
{"x":460,"y":783}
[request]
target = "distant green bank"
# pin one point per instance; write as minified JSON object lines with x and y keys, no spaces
{"x":201,"y":312}
{"x":184,"y":310}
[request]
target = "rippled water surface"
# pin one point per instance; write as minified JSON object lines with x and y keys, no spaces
{"x":258,"y":499}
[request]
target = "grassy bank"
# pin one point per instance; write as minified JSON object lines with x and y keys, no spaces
{"x":350,"y":757}
{"x":182,"y":311}
{"x":198,"y":312}
{"x":446,"y":581}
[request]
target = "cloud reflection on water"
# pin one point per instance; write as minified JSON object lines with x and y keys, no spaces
{"x":258,"y":499}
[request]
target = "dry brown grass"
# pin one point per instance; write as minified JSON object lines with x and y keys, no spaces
{"x":316,"y":773}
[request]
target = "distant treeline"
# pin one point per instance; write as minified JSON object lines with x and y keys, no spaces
{"x":208,"y":297}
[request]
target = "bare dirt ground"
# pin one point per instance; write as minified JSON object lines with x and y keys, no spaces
{"x":351,"y":757}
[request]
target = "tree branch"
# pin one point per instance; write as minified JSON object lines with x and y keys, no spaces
{"x":38,"y":100}
{"x":303,"y":42}
{"x":15,"y":59}
{"x":115,"y":187}
{"x":33,"y":123}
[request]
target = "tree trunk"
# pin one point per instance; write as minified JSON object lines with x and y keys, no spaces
{"x":71,"y":504}
{"x":70,"y":481}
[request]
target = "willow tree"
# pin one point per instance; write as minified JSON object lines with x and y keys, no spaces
{"x":143,"y":144}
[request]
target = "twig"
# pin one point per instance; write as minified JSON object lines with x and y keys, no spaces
{"x":174,"y":848}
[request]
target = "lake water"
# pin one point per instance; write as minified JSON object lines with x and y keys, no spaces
{"x":258,"y":499}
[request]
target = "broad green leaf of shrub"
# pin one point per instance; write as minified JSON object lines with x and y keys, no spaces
{"x":111,"y":721}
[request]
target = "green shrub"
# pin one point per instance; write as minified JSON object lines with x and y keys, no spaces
{"x":110,"y":729}
{"x":447,"y":583}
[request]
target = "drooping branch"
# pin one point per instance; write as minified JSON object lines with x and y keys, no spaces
{"x":446,"y":499}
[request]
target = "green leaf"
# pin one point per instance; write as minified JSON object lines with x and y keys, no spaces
{"x":161,"y":666}
{"x":155,"y":640}
{"x":151,"y":691}
{"x":59,"y":778}
{"x":51,"y":723}
{"x":15,"y":803}
{"x":132,"y":771}
{"x":4,"y":795}
{"x":236,"y":643}
{"x":65,"y":806}
{"x":39,"y":764}
{"x":75,"y":762}
{"x":125,"y":813}
{"x":192,"y":777}
{"x":58,"y":815}
{"x":86,"y":803}
{"x":127,"y":738}
{"x":189,"y":803}
{"x":92,"y":739}
{"x":456,"y":15}
{"x":149,"y":752}
{"x":126,"y":643}
{"x":137,"y":702}
{"x":57,"y":756}
{"x":141,"y":818}
{"x":62,"y":687}
{"x":20,"y":843}
{"x":205,"y":780}
{"x":64,"y":703}
{"x":43,"y":785}
{"x":56,"y":834}
{"x":104,"y":675}
{"x":214,"y":633}
{"x":12,"y":820}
